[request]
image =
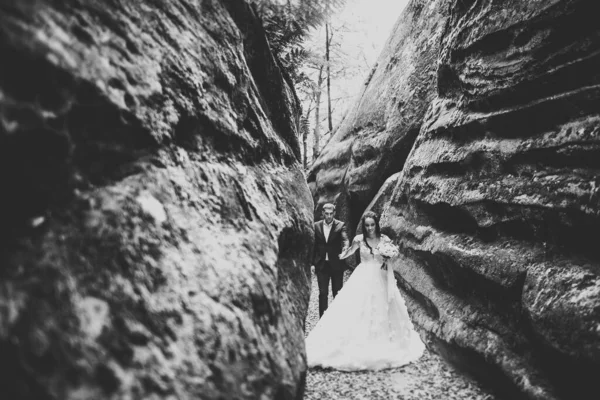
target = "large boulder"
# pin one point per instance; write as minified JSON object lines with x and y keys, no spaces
{"x":496,"y":207}
{"x":155,"y":223}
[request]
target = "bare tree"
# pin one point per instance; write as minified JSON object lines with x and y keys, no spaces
{"x":305,"y":127}
{"x":328,"y":63}
{"x":316,"y":133}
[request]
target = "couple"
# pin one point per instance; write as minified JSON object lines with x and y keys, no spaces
{"x":367,"y":326}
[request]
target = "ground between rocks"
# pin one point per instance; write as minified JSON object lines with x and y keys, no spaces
{"x":427,"y":378}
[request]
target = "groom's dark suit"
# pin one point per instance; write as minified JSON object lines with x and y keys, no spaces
{"x":327,"y":264}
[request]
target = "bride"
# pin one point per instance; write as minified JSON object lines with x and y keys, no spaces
{"x":367,"y":326}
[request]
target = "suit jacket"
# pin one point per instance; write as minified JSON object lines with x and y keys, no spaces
{"x":338,"y":239}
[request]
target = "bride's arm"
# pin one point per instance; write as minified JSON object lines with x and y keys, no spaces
{"x":351,"y":249}
{"x":385,"y":239}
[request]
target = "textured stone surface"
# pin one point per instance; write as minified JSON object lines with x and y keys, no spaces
{"x":497,"y":208}
{"x":376,"y":136}
{"x":155,"y":222}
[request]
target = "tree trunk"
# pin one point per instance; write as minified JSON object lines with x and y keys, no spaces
{"x":316,"y":133}
{"x":327,"y":43}
{"x":305,"y":128}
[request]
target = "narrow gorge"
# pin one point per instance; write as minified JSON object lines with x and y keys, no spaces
{"x":156,"y":225}
{"x":477,"y":139}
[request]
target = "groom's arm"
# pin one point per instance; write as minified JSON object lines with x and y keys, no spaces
{"x":314,"y":252}
{"x":345,"y":241}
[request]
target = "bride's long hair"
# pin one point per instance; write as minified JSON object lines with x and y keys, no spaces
{"x":375,"y":217}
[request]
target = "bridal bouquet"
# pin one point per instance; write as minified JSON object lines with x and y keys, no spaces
{"x":388,"y":249}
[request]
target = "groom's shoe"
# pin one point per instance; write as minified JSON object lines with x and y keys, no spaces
{"x":322,"y":304}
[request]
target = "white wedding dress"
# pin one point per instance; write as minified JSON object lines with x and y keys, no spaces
{"x":367,"y":326}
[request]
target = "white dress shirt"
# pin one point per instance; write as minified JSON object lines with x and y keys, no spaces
{"x":326,"y":231}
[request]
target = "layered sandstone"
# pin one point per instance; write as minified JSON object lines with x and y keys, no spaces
{"x":155,"y":222}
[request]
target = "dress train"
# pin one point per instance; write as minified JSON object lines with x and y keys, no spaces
{"x":367,"y":326}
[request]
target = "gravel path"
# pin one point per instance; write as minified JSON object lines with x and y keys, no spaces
{"x":428,"y":378}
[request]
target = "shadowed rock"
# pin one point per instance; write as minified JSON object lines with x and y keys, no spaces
{"x":496,"y":206}
{"x":155,"y":223}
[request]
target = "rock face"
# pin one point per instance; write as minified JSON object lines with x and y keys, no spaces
{"x":496,"y":207}
{"x":154,"y":219}
{"x":375,"y":138}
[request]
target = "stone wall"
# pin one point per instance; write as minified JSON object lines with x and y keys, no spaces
{"x":155,"y":222}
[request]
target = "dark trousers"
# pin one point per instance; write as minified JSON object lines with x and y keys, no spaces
{"x":324,"y":275}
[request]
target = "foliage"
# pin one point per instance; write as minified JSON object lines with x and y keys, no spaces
{"x":288,"y":23}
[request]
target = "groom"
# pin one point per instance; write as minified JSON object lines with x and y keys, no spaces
{"x":331,"y":239}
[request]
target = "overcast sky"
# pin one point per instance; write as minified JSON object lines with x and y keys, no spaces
{"x":373,"y":20}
